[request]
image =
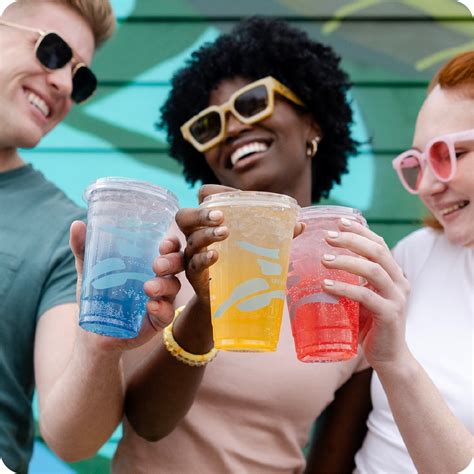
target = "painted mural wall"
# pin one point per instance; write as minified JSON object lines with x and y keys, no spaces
{"x":389,"y":48}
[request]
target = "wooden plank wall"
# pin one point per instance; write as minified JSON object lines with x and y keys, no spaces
{"x":389,"y":48}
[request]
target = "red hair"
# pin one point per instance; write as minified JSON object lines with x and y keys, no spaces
{"x":458,"y":73}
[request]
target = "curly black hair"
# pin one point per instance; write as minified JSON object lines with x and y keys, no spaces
{"x":255,"y":48}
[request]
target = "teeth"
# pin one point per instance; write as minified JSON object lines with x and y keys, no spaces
{"x":39,"y":103}
{"x":453,"y":208}
{"x":254,"y":147}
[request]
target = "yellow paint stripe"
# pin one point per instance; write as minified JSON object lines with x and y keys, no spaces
{"x":330,"y":26}
{"x":443,"y":55}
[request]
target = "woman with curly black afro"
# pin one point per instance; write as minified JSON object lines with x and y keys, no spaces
{"x":256,"y":48}
{"x":262,"y":108}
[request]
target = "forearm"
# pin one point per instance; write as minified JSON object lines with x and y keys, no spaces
{"x":162,"y":389}
{"x":436,"y":440}
{"x":85,"y":405}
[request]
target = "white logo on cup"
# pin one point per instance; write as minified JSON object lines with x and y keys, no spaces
{"x":469,"y":4}
{"x":4,"y":469}
{"x":255,"y":294}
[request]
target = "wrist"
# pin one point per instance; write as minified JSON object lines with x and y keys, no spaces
{"x":95,"y":348}
{"x":403,"y":367}
{"x":179,"y":353}
{"x":193,"y":329}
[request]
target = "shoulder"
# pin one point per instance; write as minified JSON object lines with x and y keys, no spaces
{"x":55,"y":207}
{"x":50,"y":196}
{"x":37,"y":214}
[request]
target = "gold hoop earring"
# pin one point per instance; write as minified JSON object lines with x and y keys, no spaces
{"x":312,"y":148}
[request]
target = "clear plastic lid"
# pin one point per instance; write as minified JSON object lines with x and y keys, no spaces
{"x":249,"y":198}
{"x":322,"y":211}
{"x":117,"y":183}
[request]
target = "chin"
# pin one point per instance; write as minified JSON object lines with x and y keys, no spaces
{"x":463,"y":239}
{"x":29,"y":140}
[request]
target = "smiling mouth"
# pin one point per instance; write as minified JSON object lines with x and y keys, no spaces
{"x":247,"y":150}
{"x":39,"y":103}
{"x":455,"y":207}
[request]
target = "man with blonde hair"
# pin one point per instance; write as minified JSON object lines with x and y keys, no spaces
{"x":46,"y":48}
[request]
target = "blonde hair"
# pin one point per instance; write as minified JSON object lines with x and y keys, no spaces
{"x":457,"y":74}
{"x":98,"y":14}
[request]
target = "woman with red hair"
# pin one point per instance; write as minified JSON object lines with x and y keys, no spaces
{"x":422,"y":392}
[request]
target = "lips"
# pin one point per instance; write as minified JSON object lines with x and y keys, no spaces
{"x":246,"y":150}
{"x":444,"y":211}
{"x":38,"y":102}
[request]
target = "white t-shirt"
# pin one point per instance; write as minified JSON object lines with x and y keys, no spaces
{"x":440,"y":334}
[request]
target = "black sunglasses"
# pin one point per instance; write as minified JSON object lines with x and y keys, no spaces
{"x":54,"y":53}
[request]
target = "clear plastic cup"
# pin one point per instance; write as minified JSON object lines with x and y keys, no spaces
{"x":325,"y":327}
{"x":247,"y":286}
{"x":126,"y":221}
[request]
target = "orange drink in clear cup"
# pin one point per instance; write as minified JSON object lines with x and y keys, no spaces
{"x":247,"y":283}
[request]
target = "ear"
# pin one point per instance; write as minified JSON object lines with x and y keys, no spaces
{"x":313,"y":135}
{"x":313,"y":129}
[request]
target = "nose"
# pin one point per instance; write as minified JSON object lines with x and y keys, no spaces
{"x":61,"y":80}
{"x":234,"y":127}
{"x":430,"y":184}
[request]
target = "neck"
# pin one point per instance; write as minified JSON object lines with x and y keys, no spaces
{"x":301,"y":189}
{"x":302,"y":195}
{"x":10,"y":159}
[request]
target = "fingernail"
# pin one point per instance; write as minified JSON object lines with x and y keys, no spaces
{"x":210,"y":254}
{"x":328,"y":282}
{"x":346,"y":222}
{"x":167,"y":242}
{"x":329,"y":257}
{"x":162,"y":265}
{"x":215,"y":215}
{"x":220,"y":231}
{"x":333,"y":234}
{"x":156,"y":287}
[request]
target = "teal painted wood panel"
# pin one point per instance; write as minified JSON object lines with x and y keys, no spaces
{"x":382,"y":50}
{"x":300,"y":8}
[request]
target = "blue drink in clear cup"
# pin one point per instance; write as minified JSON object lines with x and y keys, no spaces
{"x":126,"y":221}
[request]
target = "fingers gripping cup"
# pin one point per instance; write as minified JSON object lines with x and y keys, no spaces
{"x":126,"y":221}
{"x":325,"y":327}
{"x":247,"y":283}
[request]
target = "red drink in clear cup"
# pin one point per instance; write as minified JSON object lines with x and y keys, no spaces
{"x":325,"y":327}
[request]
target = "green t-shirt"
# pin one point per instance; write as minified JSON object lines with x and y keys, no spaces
{"x":36,"y":273}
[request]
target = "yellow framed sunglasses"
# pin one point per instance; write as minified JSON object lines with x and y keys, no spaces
{"x":250,"y":104}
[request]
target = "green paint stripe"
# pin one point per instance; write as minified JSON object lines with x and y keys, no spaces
{"x":164,"y":150}
{"x":391,"y":84}
{"x":381,"y":221}
{"x":82,"y":150}
{"x":357,"y":84}
{"x":296,"y":19}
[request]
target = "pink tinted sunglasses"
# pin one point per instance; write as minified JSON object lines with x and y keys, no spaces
{"x":441,"y":156}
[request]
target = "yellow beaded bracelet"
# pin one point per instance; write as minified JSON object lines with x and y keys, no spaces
{"x":195,"y":360}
